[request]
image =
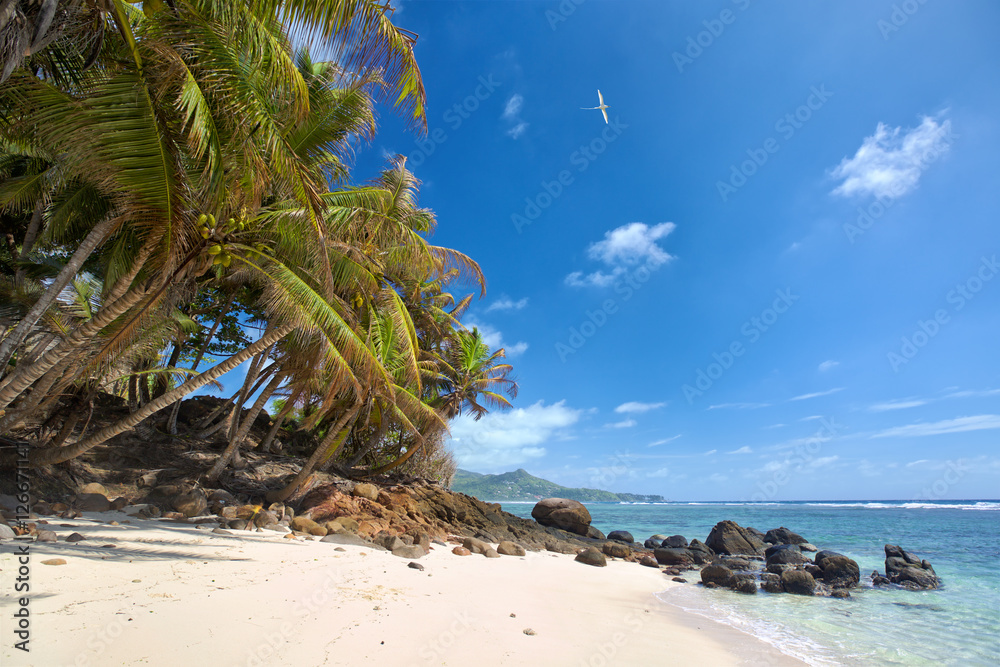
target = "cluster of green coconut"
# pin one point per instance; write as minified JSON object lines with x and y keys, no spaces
{"x":208,"y":229}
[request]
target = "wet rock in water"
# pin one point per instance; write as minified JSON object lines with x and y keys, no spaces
{"x":675,"y":542}
{"x":904,"y":568}
{"x":771,"y":583}
{"x":798,"y":582}
{"x":814,"y":570}
{"x":191,"y":503}
{"x":700,"y":552}
{"x":728,"y":537}
{"x":563,"y":513}
{"x":591,"y":556}
{"x":616,"y":550}
{"x":654,"y":541}
{"x":811,"y":548}
{"x":784,"y":554}
{"x":622,"y":536}
{"x":747,"y":586}
{"x":736,"y":564}
{"x":840,"y":593}
{"x":461,"y":551}
{"x":679,"y":580}
{"x":840,"y":571}
{"x":717,"y":574}
{"x":508,"y":548}
{"x":783,"y":536}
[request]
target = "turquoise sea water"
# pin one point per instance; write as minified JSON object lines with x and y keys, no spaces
{"x":958,"y":624}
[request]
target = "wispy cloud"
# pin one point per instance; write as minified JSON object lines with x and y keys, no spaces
{"x":494,"y":338}
{"x":891,"y":161}
{"x":506,"y":303}
{"x":742,"y":450}
{"x":633,"y":406}
{"x":738,"y":406}
{"x":626,"y":423}
{"x":827,"y":365}
{"x":621,"y":248}
{"x":816,"y":394}
{"x":664,"y":441}
{"x":973,"y":393}
{"x":512,"y":114}
{"x":711,"y":451}
{"x":958,"y":425}
{"x":897,"y":405}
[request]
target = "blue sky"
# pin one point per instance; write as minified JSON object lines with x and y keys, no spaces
{"x":707,"y":298}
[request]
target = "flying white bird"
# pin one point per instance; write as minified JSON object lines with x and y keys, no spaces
{"x":603,"y":106}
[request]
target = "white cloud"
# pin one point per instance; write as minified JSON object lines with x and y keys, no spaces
{"x":738,"y":406}
{"x":827,"y":365}
{"x":897,"y":405}
{"x":633,"y":406}
{"x":494,"y":338}
{"x":662,"y":472}
{"x":506,"y":303}
{"x":822,"y":462}
{"x":775,"y":426}
{"x":889,"y":162}
{"x":625,"y":423}
{"x":501,"y":440}
{"x":621,"y":248}
{"x":958,"y":425}
{"x":664,"y":441}
{"x":717,"y":478}
{"x":512,"y":114}
{"x":973,"y":394}
{"x":816,"y":394}
{"x":742,"y":450}
{"x":711,"y":451}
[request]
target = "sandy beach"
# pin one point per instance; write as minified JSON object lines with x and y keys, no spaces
{"x":150,"y":592}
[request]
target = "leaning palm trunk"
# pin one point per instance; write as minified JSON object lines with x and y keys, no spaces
{"x":400,"y":461}
{"x":40,"y":457}
{"x":20,"y":332}
{"x":327,"y":449}
{"x":244,"y":429}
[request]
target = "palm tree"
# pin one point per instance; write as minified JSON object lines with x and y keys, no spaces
{"x":472,"y":375}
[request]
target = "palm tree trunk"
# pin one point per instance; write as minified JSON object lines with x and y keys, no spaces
{"x":401,"y":460}
{"x":241,"y":433}
{"x":30,"y":237}
{"x":89,"y":244}
{"x":40,"y":457}
{"x":265,"y":444}
{"x":327,"y":449}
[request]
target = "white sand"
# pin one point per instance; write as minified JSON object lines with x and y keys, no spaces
{"x":169,"y":594}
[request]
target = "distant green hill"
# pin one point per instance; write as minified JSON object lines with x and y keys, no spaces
{"x":519,"y":485}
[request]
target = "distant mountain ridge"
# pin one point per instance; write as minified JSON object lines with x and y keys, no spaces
{"x":523,"y":486}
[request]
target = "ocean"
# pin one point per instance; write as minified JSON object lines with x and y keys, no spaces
{"x":958,"y":624}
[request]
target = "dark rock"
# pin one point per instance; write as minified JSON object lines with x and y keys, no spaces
{"x":720,"y":575}
{"x":563,"y":513}
{"x":616,"y":550}
{"x":92,"y":502}
{"x":191,"y":503}
{"x":346,"y":538}
{"x":840,"y":593}
{"x":798,"y":582}
{"x":778,"y":568}
{"x":904,"y":568}
{"x":409,"y":551}
{"x":679,"y":580}
{"x":754,"y":531}
{"x":591,"y":556}
{"x":818,"y":558}
{"x":675,"y":542}
{"x":811,"y":548}
{"x":75,"y":537}
{"x":673,"y":556}
{"x":595,"y":534}
{"x":746,"y":586}
{"x":654,"y":541}
{"x":508,"y":548}
{"x":648,"y":561}
{"x":728,"y":537}
{"x":771,"y":583}
{"x":414,"y":565}
{"x":784,"y":554}
{"x":700,"y":552}
{"x":783,"y":536}
{"x":840,"y":571}
{"x":814,"y":570}
{"x":736,"y":564}
{"x":622,"y":536}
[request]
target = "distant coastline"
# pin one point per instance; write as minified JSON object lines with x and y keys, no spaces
{"x":521,"y":486}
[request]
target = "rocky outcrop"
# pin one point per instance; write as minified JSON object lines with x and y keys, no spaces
{"x":783,"y":536}
{"x":616,"y":550}
{"x":784,"y":554}
{"x":675,"y":542}
{"x":905,"y":569}
{"x":798,"y":582}
{"x":728,"y":537}
{"x":508,"y":548}
{"x":622,"y":536}
{"x":717,"y":574}
{"x":591,"y":556}
{"x":673,"y":556}
{"x":562,"y":513}
{"x":839,"y":571}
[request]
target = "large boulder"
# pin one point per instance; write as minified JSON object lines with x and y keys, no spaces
{"x":675,"y":542}
{"x":700,"y":552}
{"x":622,"y":536}
{"x":92,"y":502}
{"x":771,"y":583}
{"x":192,"y":502}
{"x":728,"y":537}
{"x":654,"y":541}
{"x":798,"y":582}
{"x":719,"y":575}
{"x":840,"y":571}
{"x":667,"y":556}
{"x":784,"y":554}
{"x":563,"y":513}
{"x":595,"y":534}
{"x":783,"y":536}
{"x":508,"y":548}
{"x":902,"y":567}
{"x":616,"y":550}
{"x":591,"y":556}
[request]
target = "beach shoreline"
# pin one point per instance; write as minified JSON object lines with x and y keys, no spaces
{"x":174,"y":594}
